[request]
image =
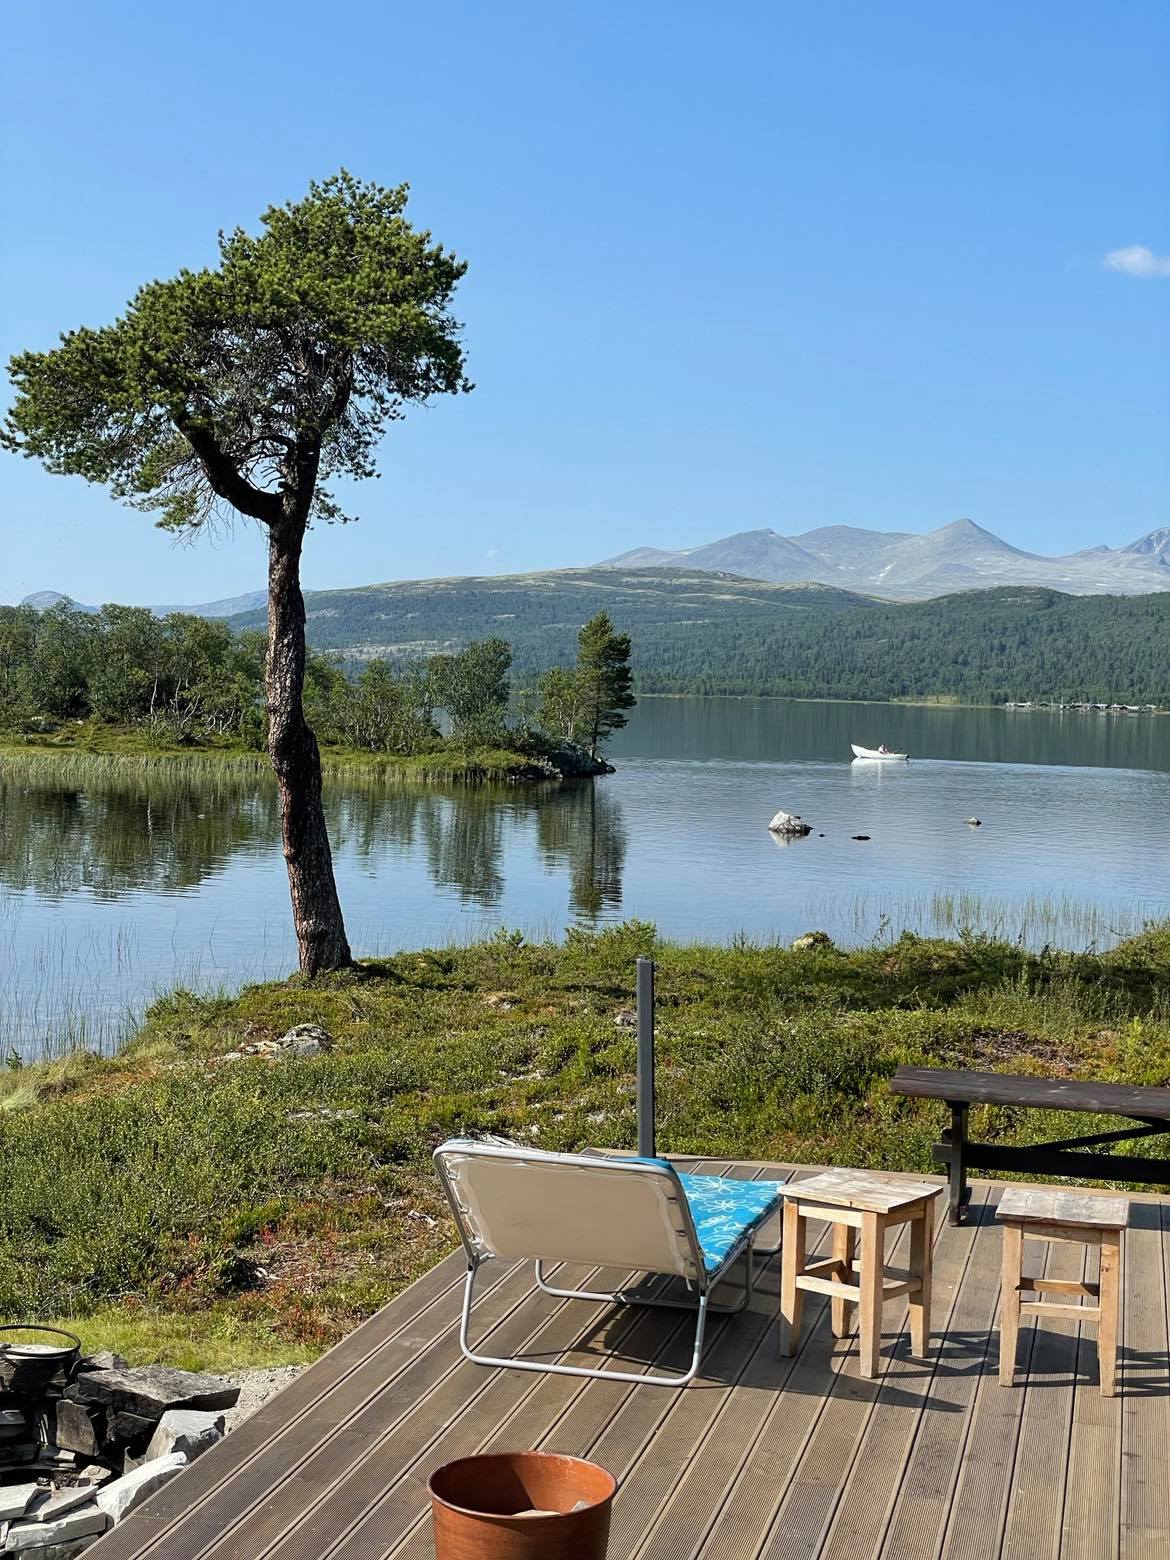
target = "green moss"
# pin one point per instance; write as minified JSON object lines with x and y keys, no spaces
{"x":264,"y":1206}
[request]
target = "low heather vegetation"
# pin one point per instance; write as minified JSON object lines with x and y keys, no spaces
{"x":194,"y":1199}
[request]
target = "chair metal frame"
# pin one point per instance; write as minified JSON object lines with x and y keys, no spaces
{"x":705,"y":1282}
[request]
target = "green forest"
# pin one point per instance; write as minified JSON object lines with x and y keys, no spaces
{"x":718,"y":634}
{"x":182,"y":680}
{"x":501,"y":657}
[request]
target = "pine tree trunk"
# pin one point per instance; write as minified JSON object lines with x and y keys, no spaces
{"x":292,"y":747}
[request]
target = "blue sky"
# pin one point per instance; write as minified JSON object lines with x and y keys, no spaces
{"x":730,"y":266}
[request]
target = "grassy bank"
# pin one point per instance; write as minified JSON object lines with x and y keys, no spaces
{"x":93,"y":751}
{"x":193,"y":1206}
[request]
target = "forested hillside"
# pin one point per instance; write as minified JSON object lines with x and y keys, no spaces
{"x":704,"y":633}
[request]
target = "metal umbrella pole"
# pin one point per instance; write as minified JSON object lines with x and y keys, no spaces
{"x":645,"y":1005}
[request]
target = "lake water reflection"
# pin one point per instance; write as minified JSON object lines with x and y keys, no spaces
{"x":108,"y":893}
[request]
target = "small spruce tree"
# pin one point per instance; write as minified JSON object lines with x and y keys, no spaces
{"x":604,"y":682}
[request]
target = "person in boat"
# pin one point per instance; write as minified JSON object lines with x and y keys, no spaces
{"x":884,"y":749}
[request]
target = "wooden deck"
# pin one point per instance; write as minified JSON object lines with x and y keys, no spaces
{"x":797,"y":1459}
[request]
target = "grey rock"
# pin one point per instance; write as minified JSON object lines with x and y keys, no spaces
{"x":86,"y":1523}
{"x":68,"y":1551}
{"x":119,"y":1498}
{"x":789,"y":826}
{"x":94,"y":1473}
{"x":11,"y":1418}
{"x":306,"y":1040}
{"x":51,"y":1504}
{"x":105,"y":1359}
{"x":187,"y":1430}
{"x":130,"y":1427}
{"x":78,"y":1427}
{"x":149,"y":1390}
{"x":15,"y":1498}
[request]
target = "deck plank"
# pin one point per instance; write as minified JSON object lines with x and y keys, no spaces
{"x":859,"y":1521}
{"x":1039,"y":1480}
{"x":1092,"y":1512}
{"x":764,"y":1458}
{"x":921,"y":1507}
{"x":1145,"y":1414}
{"x":979,"y":1506}
{"x":809,"y":1506}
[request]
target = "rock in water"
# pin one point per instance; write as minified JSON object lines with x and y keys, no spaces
{"x":790,"y":825}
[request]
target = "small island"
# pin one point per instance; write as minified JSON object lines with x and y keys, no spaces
{"x":123,"y":685}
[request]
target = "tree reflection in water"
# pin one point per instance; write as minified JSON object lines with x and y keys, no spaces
{"x":581,"y":826}
{"x":115,"y":837}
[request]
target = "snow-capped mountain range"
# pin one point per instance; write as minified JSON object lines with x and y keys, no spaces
{"x":906,"y":566}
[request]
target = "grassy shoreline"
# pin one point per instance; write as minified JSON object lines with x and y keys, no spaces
{"x":184,"y":1201}
{"x":109,"y":751}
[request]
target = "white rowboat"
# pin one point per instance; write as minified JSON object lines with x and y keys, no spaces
{"x":860,"y":752}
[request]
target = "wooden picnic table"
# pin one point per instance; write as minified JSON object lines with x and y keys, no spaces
{"x":1148,"y":1107}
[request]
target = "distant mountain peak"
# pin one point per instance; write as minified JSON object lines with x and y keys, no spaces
{"x":1155,"y":545}
{"x":42,"y":600}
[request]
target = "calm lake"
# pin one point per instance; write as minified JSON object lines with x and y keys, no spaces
{"x":111,"y":893}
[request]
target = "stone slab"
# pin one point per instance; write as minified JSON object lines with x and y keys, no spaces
{"x":78,"y":1427}
{"x":86,"y":1523}
{"x":51,"y":1504}
{"x":120,"y":1497}
{"x":187,"y":1430}
{"x":15,"y":1498}
{"x":149,"y":1390}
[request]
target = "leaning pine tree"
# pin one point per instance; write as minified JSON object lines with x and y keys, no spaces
{"x":238,"y":390}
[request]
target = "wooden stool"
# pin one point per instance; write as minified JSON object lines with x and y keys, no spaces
{"x":853,"y":1200}
{"x":1049,"y":1215}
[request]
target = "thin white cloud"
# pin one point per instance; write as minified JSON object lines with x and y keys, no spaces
{"x":1137,"y":260}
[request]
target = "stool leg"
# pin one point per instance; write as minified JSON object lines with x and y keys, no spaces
{"x":791,"y":1265}
{"x":921,"y":1268}
{"x":843,"y":1253}
{"x":1009,"y":1302}
{"x":1110,"y":1303}
{"x":870,"y":1304}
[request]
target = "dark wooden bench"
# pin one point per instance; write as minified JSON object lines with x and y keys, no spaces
{"x":1150,"y":1108}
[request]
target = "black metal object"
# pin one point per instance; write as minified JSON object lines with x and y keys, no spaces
{"x":1147,"y":1108}
{"x":27,"y":1368}
{"x":645,"y":1097}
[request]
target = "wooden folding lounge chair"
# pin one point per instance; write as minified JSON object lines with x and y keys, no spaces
{"x":523,"y":1204}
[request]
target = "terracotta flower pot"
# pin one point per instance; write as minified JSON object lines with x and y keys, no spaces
{"x":520,"y":1506}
